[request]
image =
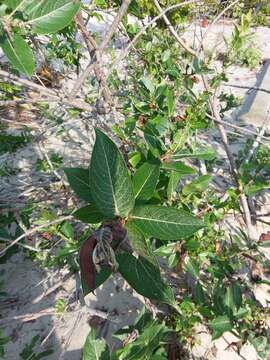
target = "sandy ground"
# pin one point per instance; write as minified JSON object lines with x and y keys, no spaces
{"x":32,"y":292}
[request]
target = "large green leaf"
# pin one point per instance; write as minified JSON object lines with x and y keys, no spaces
{"x":179,"y":167}
{"x":165,"y":223}
{"x":95,"y":349}
{"x":145,"y":181}
{"x":78,"y":179}
{"x":89,"y":214}
{"x":48,"y":16}
{"x":12,"y":4}
{"x":220,"y":325}
{"x":144,"y":278}
{"x":138,"y":243}
{"x":19,"y":53}
{"x":111,"y":187}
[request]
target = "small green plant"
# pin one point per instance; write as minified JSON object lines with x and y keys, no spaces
{"x":30,"y":353}
{"x":150,"y":206}
{"x":11,"y":143}
{"x":63,"y":46}
{"x":122,"y":205}
{"x":46,"y":166}
{"x":241,"y":47}
{"x":60,"y":307}
{"x":254,"y":167}
{"x":3,"y":341}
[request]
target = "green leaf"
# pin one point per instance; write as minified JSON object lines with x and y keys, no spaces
{"x":100,"y":277}
{"x":138,"y":243}
{"x":233,"y":297}
{"x":173,"y":182}
{"x":111,"y":187}
{"x":48,"y":16}
{"x":67,"y":230}
{"x":148,"y":84}
{"x":199,"y":294}
{"x":145,"y":181}
{"x":207,"y":153}
{"x":220,"y":325}
{"x":95,"y":349}
{"x":19,"y":53}
{"x":192,"y":267}
{"x":253,"y":188}
{"x":78,"y":179}
{"x":134,"y":158}
{"x":89,"y":214}
{"x":241,"y":313}
{"x":170,"y":102}
{"x":198,"y":185}
{"x":154,"y":145}
{"x":144,"y":278}
{"x":179,"y":167}
{"x":145,"y":345}
{"x":265,"y":244}
{"x":12,"y":4}
{"x":165,"y":223}
{"x":166,"y":55}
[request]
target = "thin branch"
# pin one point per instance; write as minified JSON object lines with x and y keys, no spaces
{"x":17,"y":102}
{"x":30,"y":84}
{"x":43,"y":90}
{"x":92,"y":47}
{"x":45,"y":154}
{"x":239,"y":128}
{"x":249,"y":88}
{"x":214,"y":22}
{"x":258,"y":139}
{"x":173,"y":32}
{"x":34,"y":230}
{"x":96,"y":58}
{"x":217,"y":119}
{"x":242,"y":197}
{"x":28,"y":247}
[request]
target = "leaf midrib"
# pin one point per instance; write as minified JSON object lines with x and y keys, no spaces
{"x":48,"y":15}
{"x":150,"y":174}
{"x":18,"y":59}
{"x":110,"y":180}
{"x":158,"y":220}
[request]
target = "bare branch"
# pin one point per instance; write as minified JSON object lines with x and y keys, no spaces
{"x":173,"y":32}
{"x":52,"y":95}
{"x":30,"y":84}
{"x":98,"y":52}
{"x":240,"y":129}
{"x":92,"y":47}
